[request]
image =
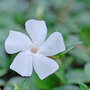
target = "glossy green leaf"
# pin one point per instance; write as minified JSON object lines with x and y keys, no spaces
{"x":67,"y":87}
{"x":83,"y":87}
{"x":46,"y":83}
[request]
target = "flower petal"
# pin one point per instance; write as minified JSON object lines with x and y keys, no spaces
{"x":22,"y":64}
{"x":44,"y":66}
{"x":37,"y":30}
{"x":53,"y":45}
{"x":16,"y":42}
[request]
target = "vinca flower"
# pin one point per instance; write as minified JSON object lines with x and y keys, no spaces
{"x":34,"y":50}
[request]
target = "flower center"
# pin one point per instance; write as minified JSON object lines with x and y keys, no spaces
{"x":34,"y":50}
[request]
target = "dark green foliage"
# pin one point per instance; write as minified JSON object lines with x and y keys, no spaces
{"x":72,"y":19}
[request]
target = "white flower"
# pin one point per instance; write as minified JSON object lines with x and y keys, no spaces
{"x":33,"y":50}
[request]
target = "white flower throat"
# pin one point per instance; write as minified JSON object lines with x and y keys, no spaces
{"x":34,"y":50}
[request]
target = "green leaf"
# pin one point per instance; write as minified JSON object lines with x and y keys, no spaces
{"x":85,"y":34}
{"x":76,"y":75}
{"x":71,"y":42}
{"x":87,"y":70}
{"x":80,"y":54}
{"x":69,"y":46}
{"x":12,"y":81}
{"x":16,"y":87}
{"x":58,"y":4}
{"x":3,"y":71}
{"x":46,"y":83}
{"x":2,"y":82}
{"x":27,"y":84}
{"x":4,"y":62}
{"x":8,"y":88}
{"x":68,"y":62}
{"x":8,"y":6}
{"x":83,"y":87}
{"x":60,"y":72}
{"x":67,"y":87}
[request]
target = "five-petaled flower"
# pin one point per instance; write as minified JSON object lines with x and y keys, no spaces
{"x":33,"y":50}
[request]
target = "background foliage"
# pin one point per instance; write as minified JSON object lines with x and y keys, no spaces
{"x":72,"y":19}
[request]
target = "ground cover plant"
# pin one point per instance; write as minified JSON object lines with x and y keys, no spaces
{"x":69,"y":17}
